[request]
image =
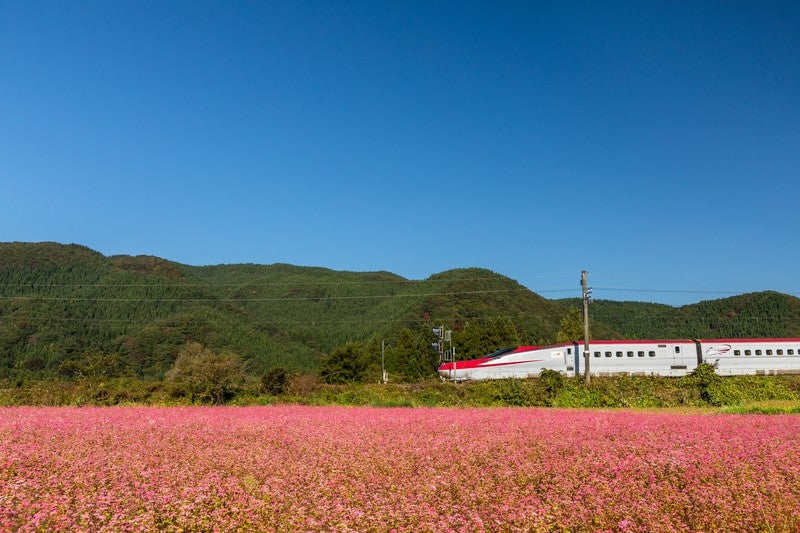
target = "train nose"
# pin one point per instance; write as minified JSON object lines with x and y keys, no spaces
{"x":451,"y":371}
{"x":446,"y":370}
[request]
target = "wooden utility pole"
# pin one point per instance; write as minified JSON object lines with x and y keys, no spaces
{"x":586,"y":295}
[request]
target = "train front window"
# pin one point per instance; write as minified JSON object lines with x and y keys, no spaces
{"x":500,"y":352}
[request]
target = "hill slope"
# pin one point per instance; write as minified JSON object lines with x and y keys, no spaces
{"x":64,"y":304}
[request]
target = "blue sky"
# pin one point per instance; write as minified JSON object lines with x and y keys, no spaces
{"x":654,"y":144}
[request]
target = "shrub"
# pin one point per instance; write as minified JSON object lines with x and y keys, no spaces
{"x":553,"y":382}
{"x":302,"y":385}
{"x":205,"y":376}
{"x":274,"y":381}
{"x":713,"y":389}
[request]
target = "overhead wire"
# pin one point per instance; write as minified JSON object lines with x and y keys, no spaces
{"x":244,"y":300}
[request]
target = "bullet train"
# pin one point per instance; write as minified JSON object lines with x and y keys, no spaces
{"x":634,"y":357}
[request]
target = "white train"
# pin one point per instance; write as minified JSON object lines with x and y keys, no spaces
{"x":634,"y":357}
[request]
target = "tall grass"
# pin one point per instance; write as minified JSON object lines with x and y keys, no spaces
{"x":739,"y":394}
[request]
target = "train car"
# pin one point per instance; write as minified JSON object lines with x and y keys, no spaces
{"x":512,"y":362}
{"x":633,"y":357}
{"x":640,"y":357}
{"x":733,"y":357}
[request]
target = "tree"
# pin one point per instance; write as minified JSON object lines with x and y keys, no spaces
{"x":93,"y":365}
{"x":412,"y":357}
{"x":274,"y":381}
{"x":204,"y":375}
{"x":345,"y":364}
{"x":571,"y":326}
{"x":484,"y":337}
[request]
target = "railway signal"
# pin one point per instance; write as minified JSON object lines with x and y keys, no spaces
{"x":444,"y":336}
{"x":438,"y":345}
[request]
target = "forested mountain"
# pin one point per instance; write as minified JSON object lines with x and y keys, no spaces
{"x":67,"y":310}
{"x":761,"y":314}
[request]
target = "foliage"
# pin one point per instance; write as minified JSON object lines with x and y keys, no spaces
{"x":205,"y":376}
{"x":553,"y":382}
{"x":485,"y":336}
{"x":571,"y":326}
{"x":274,"y":381}
{"x":410,"y":357}
{"x":345,"y":364}
{"x":70,"y":313}
{"x":762,"y":314}
{"x":708,"y":383}
{"x":549,"y":390}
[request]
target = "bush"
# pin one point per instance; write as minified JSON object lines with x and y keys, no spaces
{"x":302,"y":385}
{"x":716,"y":390}
{"x":274,"y":381}
{"x":553,"y":382}
{"x":205,"y":376}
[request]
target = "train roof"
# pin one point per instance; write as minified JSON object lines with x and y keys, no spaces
{"x":659,"y":341}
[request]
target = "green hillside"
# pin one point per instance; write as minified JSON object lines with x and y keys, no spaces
{"x":762,"y":314}
{"x":65,"y":303}
{"x":67,"y":311}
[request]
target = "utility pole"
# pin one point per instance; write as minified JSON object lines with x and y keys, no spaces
{"x":587,"y":294}
{"x":384,"y":375}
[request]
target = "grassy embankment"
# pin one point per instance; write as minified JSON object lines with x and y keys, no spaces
{"x":742,"y":394}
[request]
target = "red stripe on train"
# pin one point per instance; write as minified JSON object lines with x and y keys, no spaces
{"x":483,"y":363}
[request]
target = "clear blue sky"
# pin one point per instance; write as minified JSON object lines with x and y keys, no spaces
{"x":654,"y":144}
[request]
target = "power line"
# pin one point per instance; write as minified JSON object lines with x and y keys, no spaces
{"x":278,"y":299}
{"x":517,"y":316}
{"x":248,"y":285}
{"x":668,"y":291}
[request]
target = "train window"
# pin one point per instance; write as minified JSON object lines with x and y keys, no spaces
{"x":651,"y":353}
{"x":569,"y":351}
{"x":737,"y":352}
{"x":619,"y":354}
{"x":747,"y":352}
{"x":789,"y":352}
{"x":677,"y":349}
{"x":608,"y":354}
{"x":779,"y":352}
{"x":769,"y":352}
{"x":630,"y":354}
{"x":640,"y":353}
{"x":758,"y":352}
{"x":597,"y":354}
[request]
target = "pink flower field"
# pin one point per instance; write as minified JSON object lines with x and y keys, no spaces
{"x":291,"y":468}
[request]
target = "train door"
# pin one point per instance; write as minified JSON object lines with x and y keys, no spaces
{"x":663,"y":359}
{"x":678,"y":365}
{"x":576,"y":363}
